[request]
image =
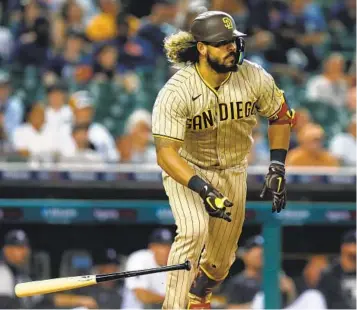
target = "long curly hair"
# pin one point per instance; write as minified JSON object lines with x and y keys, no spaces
{"x":181,"y":49}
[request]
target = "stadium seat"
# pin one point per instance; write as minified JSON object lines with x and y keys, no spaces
{"x":75,"y":262}
{"x":332,"y":119}
{"x":40,"y":265}
{"x":114,"y":105}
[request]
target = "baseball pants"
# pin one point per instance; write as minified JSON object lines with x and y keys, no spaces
{"x":207,"y":242}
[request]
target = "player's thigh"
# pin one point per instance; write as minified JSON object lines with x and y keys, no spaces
{"x":187,"y":208}
{"x":221,"y":244}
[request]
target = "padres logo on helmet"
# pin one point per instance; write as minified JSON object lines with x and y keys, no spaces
{"x":227,"y":22}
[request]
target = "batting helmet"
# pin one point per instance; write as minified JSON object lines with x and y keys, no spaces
{"x":217,"y":28}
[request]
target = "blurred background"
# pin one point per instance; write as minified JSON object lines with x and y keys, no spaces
{"x":80,"y":188}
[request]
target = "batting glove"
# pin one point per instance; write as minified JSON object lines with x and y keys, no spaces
{"x":275,"y":183}
{"x":215,"y":203}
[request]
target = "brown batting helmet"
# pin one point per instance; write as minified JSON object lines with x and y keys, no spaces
{"x":217,"y":28}
{"x":214,"y":26}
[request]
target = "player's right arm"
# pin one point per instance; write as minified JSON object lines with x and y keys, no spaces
{"x":168,"y":158}
{"x":169,"y":126}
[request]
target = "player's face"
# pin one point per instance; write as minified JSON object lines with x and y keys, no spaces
{"x":348,"y":256}
{"x":254,"y":258}
{"x":161,"y":252}
{"x":223,"y":58}
{"x":16,"y":254}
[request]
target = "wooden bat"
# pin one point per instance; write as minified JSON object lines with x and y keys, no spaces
{"x":63,"y":284}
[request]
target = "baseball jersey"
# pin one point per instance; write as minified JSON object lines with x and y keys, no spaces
{"x":142,"y":259}
{"x":215,"y":125}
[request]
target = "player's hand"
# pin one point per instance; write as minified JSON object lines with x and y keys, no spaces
{"x":275,"y":183}
{"x":215,"y":203}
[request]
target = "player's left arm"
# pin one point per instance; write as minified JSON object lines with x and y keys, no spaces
{"x":273,"y":105}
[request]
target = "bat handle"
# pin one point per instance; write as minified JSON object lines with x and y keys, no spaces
{"x":127,"y":274}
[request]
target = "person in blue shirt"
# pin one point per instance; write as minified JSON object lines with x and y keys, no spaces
{"x":158,"y":24}
{"x":299,"y":29}
{"x":11,"y":110}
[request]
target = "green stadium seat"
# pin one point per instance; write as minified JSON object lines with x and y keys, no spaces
{"x":114,"y":105}
{"x":332,"y":119}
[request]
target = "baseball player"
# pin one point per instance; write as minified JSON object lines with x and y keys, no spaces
{"x":202,"y":124}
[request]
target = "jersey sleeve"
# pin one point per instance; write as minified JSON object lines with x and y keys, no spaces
{"x":169,"y":116}
{"x":270,"y":97}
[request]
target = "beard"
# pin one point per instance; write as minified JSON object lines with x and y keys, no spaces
{"x":221,"y":67}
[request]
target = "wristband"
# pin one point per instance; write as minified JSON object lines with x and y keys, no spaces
{"x":278,"y":156}
{"x":196,"y":184}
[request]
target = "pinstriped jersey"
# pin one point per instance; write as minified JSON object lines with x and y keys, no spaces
{"x":215,"y":125}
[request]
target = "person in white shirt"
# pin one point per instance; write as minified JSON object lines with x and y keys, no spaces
{"x":58,"y":112}
{"x":11,"y":109}
{"x":77,"y":148}
{"x":98,"y":135}
{"x":32,"y":140}
{"x":330,"y":86}
{"x":343,"y":145}
{"x":148,"y":291}
{"x":135,"y":146}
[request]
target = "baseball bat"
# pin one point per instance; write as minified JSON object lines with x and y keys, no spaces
{"x":69,"y":283}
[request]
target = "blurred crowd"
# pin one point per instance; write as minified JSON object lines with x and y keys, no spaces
{"x":79,"y":78}
{"x":326,"y":281}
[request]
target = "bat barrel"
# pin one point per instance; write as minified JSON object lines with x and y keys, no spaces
{"x":53,"y":285}
{"x":63,"y":284}
{"x":135,"y":273}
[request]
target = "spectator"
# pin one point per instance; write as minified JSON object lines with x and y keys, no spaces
{"x":297,"y":35}
{"x":31,"y":140}
{"x":99,"y":137}
{"x":106,"y":68}
{"x":6,"y":45}
{"x":58,"y":113}
{"x":11,"y":110}
{"x":108,"y":295}
{"x":343,"y":145}
{"x":148,"y":291}
{"x":33,"y":37}
{"x":88,"y":8}
{"x":103,"y":26}
{"x":30,"y":11}
{"x":70,"y":19}
{"x":135,"y":146}
{"x":66,"y":65}
{"x":78,"y":149}
{"x":310,"y":151}
{"x":343,"y":17}
{"x":338,"y":282}
{"x":156,"y":26}
{"x":105,"y":63}
{"x":241,"y":288}
{"x":311,"y":274}
{"x":330,"y":86}
{"x":16,"y":253}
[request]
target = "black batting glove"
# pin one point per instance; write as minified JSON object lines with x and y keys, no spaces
{"x":275,"y":183}
{"x":215,"y":203}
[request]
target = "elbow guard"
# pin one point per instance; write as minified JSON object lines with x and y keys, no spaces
{"x":286,"y":115}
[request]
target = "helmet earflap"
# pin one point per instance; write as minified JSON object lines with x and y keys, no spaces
{"x":240,"y":49}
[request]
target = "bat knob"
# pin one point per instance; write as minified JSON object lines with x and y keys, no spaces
{"x":187,"y":265}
